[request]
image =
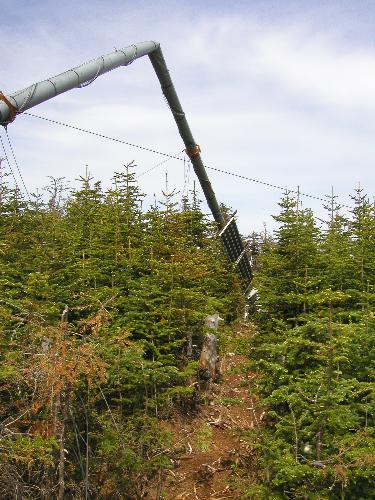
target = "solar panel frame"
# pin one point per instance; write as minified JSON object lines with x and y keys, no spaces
{"x":235,"y":249}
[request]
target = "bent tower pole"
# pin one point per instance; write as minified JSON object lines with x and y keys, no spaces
{"x":192,"y":149}
{"x":17,"y":102}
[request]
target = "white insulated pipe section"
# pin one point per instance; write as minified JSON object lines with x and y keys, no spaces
{"x":80,"y":76}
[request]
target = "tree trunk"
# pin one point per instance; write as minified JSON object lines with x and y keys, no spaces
{"x":64,"y":407}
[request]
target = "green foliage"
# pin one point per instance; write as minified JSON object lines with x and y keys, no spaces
{"x":203,"y":438}
{"x":315,"y":354}
{"x":229,"y":401}
{"x":27,"y":450}
{"x":98,"y":299}
{"x":129,"y":455}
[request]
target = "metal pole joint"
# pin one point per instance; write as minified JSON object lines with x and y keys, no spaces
{"x":13,"y":111}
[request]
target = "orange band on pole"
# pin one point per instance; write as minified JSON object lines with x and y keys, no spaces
{"x":193,"y":152}
{"x":12,"y":110}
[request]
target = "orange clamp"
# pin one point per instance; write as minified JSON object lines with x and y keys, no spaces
{"x":193,"y":152}
{"x":12,"y":109}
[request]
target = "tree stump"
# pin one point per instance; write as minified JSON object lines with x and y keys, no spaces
{"x":208,"y":362}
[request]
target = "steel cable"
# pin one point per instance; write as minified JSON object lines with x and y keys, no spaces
{"x":169,"y":156}
{"x":16,"y":164}
{"x":9,"y":164}
{"x":174,"y":157}
{"x":102,"y":136}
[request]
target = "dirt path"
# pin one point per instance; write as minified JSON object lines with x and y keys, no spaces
{"x":209,"y":444}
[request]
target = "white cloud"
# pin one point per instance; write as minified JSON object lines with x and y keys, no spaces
{"x":315,"y":66}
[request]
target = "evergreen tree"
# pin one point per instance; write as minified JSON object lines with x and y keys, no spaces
{"x":289,"y":270}
{"x":318,"y":438}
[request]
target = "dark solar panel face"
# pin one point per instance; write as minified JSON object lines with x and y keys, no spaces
{"x":234,"y":247}
{"x":245,"y":268}
{"x":232,"y":241}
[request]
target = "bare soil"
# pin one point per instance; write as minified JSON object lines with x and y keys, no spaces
{"x":209,"y":448}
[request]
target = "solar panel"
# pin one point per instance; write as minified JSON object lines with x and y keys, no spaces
{"x":235,"y":249}
{"x":245,"y":268}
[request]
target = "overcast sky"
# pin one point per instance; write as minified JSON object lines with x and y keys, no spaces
{"x":283,"y":92}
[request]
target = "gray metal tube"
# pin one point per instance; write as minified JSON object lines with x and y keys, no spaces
{"x":161,"y":70}
{"x":80,"y":76}
{"x":17,"y":102}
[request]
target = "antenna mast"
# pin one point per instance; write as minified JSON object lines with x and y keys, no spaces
{"x":15,"y":103}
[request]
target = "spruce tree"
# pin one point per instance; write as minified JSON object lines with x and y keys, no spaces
{"x":319,"y":433}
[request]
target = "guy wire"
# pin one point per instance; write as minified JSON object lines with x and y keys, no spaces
{"x":9,"y":164}
{"x":239,"y":176}
{"x":16,"y":163}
